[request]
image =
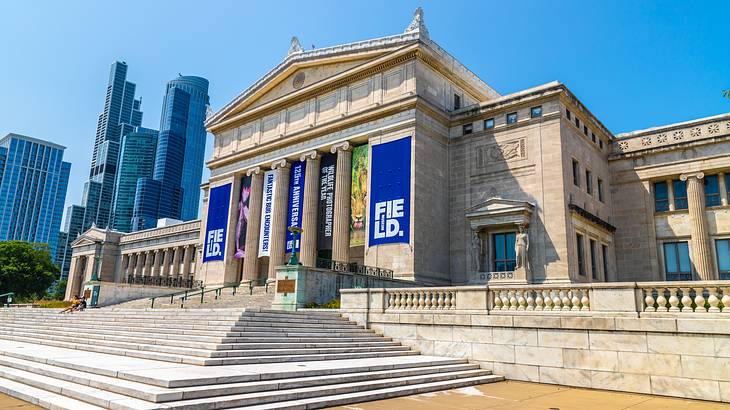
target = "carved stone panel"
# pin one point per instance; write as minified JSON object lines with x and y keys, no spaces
{"x":501,"y":152}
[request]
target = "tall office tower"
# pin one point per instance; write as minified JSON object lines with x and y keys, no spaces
{"x":33,"y":183}
{"x":72,"y":227}
{"x":136,"y":160}
{"x":174,"y":189}
{"x":120,"y":116}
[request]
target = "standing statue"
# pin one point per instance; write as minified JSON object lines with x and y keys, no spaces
{"x":476,"y":251}
{"x":522,"y":245}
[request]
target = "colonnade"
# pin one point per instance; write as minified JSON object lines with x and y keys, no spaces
{"x":174,"y":261}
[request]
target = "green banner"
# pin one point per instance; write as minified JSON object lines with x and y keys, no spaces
{"x":359,"y":195}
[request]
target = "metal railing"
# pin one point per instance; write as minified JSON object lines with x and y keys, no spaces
{"x":164,"y":281}
{"x":8,"y":298}
{"x":186,"y":295}
{"x":353,"y":267}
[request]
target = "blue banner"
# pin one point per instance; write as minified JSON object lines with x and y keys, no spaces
{"x":390,"y":196}
{"x":296,"y":198}
{"x":216,"y":225}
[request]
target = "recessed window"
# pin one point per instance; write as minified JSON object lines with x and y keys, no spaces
{"x":600,"y":189}
{"x":536,"y":111}
{"x":504,"y":251}
{"x":604,"y":256}
{"x":712,"y":190}
{"x":594,"y":260}
{"x":589,"y":182}
{"x":676,"y":261}
{"x":581,"y":254}
{"x":722,"y":248}
{"x":600,"y":143}
{"x":457,"y":101}
{"x":593,"y":137}
{"x":577,"y":122}
{"x":661,"y":197}
{"x":576,"y":173}
{"x":585,"y":130}
{"x":489,"y":123}
{"x":512,"y":118}
{"x":680,"y":194}
{"x":467,"y":129}
{"x":567,"y":114}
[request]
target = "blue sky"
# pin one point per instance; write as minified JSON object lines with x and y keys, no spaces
{"x":634,"y":64}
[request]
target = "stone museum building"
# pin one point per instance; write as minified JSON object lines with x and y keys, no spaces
{"x":389,"y":153}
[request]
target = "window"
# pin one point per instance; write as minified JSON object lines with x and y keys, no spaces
{"x":712,"y":190}
{"x":680,"y":194}
{"x":600,"y":189}
{"x":585,"y":130}
{"x":661,"y":197}
{"x":536,"y":111}
{"x":467,"y":129}
{"x":676,"y":261}
{"x":589,"y":182}
{"x":576,"y":176}
{"x":600,"y":143}
{"x":504,"y":251}
{"x":457,"y":101}
{"x":581,"y":254}
{"x":722,"y":248}
{"x":512,"y":118}
{"x":567,"y":114}
{"x":604,"y":256}
{"x":593,"y":137}
{"x":489,"y":123}
{"x":594,"y":261}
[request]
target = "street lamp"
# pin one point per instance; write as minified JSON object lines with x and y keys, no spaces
{"x":295,"y":230}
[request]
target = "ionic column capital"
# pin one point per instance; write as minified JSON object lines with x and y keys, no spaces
{"x":313,"y":154}
{"x":282,"y":163}
{"x":252,"y":171}
{"x":342,"y":146}
{"x":686,"y":176}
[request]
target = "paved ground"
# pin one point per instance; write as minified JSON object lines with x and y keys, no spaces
{"x":533,"y":396}
{"x":9,"y":403}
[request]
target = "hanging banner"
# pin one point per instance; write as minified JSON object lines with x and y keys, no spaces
{"x":267,"y":212}
{"x":325,"y":218}
{"x":390,"y":199}
{"x":359,"y":195}
{"x":215,"y":226}
{"x":296,"y":198}
{"x":243,"y":211}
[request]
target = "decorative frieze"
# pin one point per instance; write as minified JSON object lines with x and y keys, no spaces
{"x":502,"y":151}
{"x":673,"y":134}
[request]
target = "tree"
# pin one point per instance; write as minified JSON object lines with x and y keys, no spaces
{"x":726,"y":93}
{"x":26,"y":269}
{"x":58,"y":290}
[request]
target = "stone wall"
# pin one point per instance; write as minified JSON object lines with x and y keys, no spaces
{"x":633,"y":337}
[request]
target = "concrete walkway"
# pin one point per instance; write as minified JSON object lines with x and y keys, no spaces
{"x":9,"y":403}
{"x":533,"y":396}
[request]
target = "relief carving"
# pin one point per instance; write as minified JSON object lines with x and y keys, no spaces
{"x":505,"y":151}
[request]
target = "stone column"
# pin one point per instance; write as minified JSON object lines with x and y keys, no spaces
{"x":670,"y":194}
{"x":148,"y":262}
{"x":701,"y":247}
{"x":132,"y":263}
{"x":251,"y":260}
{"x":343,"y":185}
{"x":176,"y":262}
{"x":308,"y":241}
{"x":125,"y":265}
{"x":723,"y":188}
{"x":88,"y":271}
{"x":74,"y":274}
{"x":166,"y":262}
{"x":140,"y":264}
{"x":187,"y":257}
{"x":156,"y":263}
{"x":278,"y":219}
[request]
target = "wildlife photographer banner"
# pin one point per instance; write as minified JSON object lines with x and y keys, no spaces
{"x":267,"y":212}
{"x":215,"y":226}
{"x":359,"y":195}
{"x":243,"y":212}
{"x":390,"y":199}
{"x":296,"y":198}
{"x":325,"y":217}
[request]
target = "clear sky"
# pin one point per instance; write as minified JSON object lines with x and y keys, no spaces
{"x":634,"y":64}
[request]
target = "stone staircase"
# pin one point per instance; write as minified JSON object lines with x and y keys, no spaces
{"x":243,"y":297}
{"x":210,"y":359}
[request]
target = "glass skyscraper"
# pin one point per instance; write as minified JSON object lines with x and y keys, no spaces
{"x":173,"y":191}
{"x":136,"y":161}
{"x":33,"y":183}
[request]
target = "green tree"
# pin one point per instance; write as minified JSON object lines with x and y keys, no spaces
{"x":58,"y":290}
{"x":26,"y":269}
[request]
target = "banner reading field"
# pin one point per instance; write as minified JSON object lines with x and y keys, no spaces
{"x":390,"y":199}
{"x":359,"y":195}
{"x":215,"y":227}
{"x":243,"y":212}
{"x":267,"y":208}
{"x":325,"y":217}
{"x":296,"y":198}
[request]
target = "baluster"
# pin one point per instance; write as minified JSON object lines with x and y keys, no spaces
{"x":453,"y":300}
{"x":505,"y":300}
{"x":411,"y":300}
{"x":661,"y":301}
{"x":686,"y":300}
{"x":496,"y":300}
{"x":427,"y":299}
{"x":565,"y":300}
{"x":441,"y":300}
{"x":447,"y":302}
{"x":649,"y":300}
{"x":521,"y":301}
{"x":512,"y":300}
{"x":539,"y":301}
{"x":557,"y":301}
{"x":673,"y":300}
{"x":391,"y":299}
{"x":725,"y":300}
{"x":585,"y":301}
{"x":575,"y":300}
{"x":397,"y":296}
{"x":713,"y":300}
{"x":421,"y":303}
{"x":699,"y":300}
{"x":530,"y":300}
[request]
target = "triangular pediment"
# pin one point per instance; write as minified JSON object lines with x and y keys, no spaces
{"x":499,"y":212}
{"x":84,"y":240}
{"x":496,"y":204}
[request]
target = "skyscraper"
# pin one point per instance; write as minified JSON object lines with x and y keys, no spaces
{"x":174,"y":189}
{"x":136,"y":160}
{"x":33,"y":183}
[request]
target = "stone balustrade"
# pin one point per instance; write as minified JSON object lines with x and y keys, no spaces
{"x":686,"y":297}
{"x":541,"y":299}
{"x":421,"y":299}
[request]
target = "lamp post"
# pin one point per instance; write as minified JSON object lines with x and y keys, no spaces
{"x":295,"y":230}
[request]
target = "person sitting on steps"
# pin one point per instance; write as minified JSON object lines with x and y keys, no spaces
{"x":74,"y":304}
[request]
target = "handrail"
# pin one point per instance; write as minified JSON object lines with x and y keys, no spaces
{"x":194,"y":292}
{"x":9,"y":298}
{"x":172,"y":295}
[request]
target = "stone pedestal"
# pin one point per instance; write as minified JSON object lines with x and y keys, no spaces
{"x":290,"y":288}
